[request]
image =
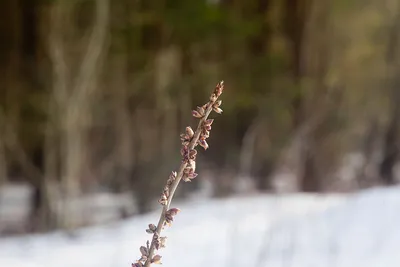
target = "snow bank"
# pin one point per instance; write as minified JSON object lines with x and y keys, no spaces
{"x":288,"y":230}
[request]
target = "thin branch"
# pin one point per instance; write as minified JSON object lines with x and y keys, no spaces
{"x":190,"y":139}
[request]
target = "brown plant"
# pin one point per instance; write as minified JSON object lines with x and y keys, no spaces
{"x":186,"y":172}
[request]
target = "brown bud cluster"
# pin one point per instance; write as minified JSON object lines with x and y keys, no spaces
{"x":165,"y":194}
{"x":189,"y":139}
{"x":219,"y":89}
{"x":159,"y":242}
{"x":188,"y":172}
{"x":152,"y":229}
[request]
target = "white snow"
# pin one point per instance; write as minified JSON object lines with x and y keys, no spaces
{"x":296,"y":230}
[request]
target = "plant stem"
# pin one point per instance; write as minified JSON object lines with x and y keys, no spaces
{"x":176,"y":182}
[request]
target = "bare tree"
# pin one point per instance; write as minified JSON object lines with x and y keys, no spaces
{"x":73,"y":88}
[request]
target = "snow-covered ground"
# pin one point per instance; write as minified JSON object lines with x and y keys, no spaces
{"x":298,"y":230}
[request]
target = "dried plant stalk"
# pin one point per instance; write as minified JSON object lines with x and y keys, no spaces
{"x":186,"y":172}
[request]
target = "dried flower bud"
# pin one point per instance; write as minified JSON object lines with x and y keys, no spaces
{"x":204,"y":144}
{"x":168,"y":219}
{"x":173,"y":211}
{"x":190,"y":177}
{"x":205,"y":134}
{"x":192,"y":154}
{"x":156,"y":259}
{"x":219,"y":88}
{"x":196,"y":114}
{"x":166,"y":191}
{"x":209,"y":122}
{"x":137,"y":264}
{"x":157,"y":243}
{"x":155,"y":236}
{"x":149,"y":231}
{"x":144,"y":251}
{"x":152,"y":227}
{"x":213,"y":97}
{"x":217,"y":110}
{"x":192,"y":164}
{"x":143,"y":258}
{"x":189,"y":131}
{"x":188,"y":172}
{"x":173,"y":175}
{"x":163,"y":200}
{"x":163,"y":240}
{"x":201,"y":110}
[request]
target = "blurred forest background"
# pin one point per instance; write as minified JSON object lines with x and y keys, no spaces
{"x":94,"y":94}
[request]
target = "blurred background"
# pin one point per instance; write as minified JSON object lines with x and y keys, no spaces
{"x":94,"y":95}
